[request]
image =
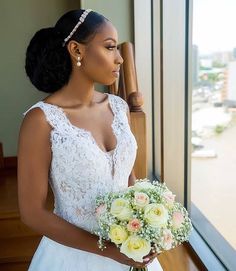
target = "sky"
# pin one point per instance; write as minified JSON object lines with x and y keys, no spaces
{"x":214,"y":23}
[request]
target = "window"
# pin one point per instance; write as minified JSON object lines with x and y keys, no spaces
{"x":193,"y":97}
{"x":213,"y":133}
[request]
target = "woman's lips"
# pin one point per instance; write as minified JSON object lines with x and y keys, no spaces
{"x":116,"y":73}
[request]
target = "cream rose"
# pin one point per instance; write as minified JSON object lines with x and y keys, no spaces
{"x":135,"y":248}
{"x":141,"y":199}
{"x":177,"y":219}
{"x":121,"y":209}
{"x":156,"y":215}
{"x":143,"y":185}
{"x":118,"y":234}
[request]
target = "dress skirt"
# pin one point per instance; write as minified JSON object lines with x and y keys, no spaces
{"x":53,"y":256}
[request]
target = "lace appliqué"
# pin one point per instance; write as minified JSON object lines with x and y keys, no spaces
{"x":80,"y":170}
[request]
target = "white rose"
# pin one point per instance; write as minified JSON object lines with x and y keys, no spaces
{"x":135,"y":248}
{"x":118,"y":234}
{"x":143,"y":186}
{"x":141,"y":199}
{"x":156,"y":215}
{"x":121,"y":209}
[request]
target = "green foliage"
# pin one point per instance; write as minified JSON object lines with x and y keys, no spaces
{"x":219,"y":129}
{"x":217,"y":64}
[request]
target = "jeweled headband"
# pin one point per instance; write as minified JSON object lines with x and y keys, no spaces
{"x":81,"y":20}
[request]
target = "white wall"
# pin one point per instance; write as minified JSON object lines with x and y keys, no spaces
{"x":19,"y":20}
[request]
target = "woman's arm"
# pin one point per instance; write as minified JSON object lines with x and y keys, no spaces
{"x":132,"y":178}
{"x":34,"y":158}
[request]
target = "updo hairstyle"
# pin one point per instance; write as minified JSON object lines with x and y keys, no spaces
{"x":48,"y":64}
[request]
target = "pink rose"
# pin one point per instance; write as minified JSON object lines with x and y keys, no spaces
{"x":169,"y":197}
{"x":177,"y":219}
{"x":134,"y":225}
{"x":167,"y":239}
{"x":100,"y":210}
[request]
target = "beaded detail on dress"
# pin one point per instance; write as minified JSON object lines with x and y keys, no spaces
{"x":80,"y":170}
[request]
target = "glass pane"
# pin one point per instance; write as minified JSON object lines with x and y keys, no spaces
{"x":213,"y":162}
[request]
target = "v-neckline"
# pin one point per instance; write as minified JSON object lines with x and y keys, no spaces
{"x":87,"y":131}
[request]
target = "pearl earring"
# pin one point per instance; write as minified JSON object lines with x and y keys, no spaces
{"x":78,"y":63}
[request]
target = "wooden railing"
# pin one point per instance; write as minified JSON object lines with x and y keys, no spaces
{"x":127,"y":88}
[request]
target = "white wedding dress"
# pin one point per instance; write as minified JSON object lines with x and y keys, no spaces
{"x":80,"y":170}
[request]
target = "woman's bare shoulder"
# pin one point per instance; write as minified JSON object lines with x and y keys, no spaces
{"x":34,"y":138}
{"x":34,"y":124}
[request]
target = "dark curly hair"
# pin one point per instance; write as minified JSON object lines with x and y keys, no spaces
{"x":48,"y":64}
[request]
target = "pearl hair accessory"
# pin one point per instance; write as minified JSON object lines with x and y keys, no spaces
{"x":81,"y":20}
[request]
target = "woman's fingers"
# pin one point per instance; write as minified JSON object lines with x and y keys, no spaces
{"x":150,"y":257}
{"x":154,"y":256}
{"x":146,"y":260}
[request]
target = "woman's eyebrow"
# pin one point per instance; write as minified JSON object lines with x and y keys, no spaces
{"x":110,"y":39}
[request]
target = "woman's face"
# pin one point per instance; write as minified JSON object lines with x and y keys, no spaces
{"x":101,"y":57}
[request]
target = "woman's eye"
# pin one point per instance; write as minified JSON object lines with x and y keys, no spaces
{"x":112,"y":47}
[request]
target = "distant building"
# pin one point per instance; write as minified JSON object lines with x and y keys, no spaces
{"x":195,"y":65}
{"x":229,"y":91}
{"x":234,"y":53}
{"x":223,"y":57}
{"x":206,"y":62}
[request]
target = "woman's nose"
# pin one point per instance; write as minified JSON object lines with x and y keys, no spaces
{"x":119,"y":59}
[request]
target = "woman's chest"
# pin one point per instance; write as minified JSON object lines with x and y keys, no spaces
{"x":81,"y":150}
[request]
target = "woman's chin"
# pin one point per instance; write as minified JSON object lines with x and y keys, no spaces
{"x":108,"y":82}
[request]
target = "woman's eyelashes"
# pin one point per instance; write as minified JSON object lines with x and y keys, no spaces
{"x":112,"y":47}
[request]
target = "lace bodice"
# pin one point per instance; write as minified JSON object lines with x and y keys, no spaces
{"x":80,"y":170}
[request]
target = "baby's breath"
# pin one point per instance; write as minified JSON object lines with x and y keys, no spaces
{"x":155,"y":235}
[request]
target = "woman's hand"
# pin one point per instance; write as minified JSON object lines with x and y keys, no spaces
{"x":115,"y":254}
{"x":150,"y":257}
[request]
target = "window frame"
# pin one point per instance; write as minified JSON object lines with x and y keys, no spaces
{"x":166,"y":16}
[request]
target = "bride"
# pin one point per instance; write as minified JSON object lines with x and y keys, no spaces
{"x":78,"y":140}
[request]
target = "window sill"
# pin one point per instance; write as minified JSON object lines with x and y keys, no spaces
{"x":205,"y":254}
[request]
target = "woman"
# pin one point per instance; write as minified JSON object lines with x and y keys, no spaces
{"x":78,"y":139}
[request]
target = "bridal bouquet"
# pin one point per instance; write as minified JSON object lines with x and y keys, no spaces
{"x":142,"y":218}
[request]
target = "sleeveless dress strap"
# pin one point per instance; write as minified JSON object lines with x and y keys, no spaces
{"x":57,"y":119}
{"x":52,"y":114}
{"x":120,"y":105}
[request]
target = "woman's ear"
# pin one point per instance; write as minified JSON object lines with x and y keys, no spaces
{"x":75,"y":49}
